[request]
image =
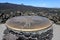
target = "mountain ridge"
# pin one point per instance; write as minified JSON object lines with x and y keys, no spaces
{"x":12,"y":6}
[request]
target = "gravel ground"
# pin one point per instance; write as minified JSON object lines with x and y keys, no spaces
{"x":56,"y":31}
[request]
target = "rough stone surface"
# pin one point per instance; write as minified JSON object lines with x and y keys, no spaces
{"x":11,"y":35}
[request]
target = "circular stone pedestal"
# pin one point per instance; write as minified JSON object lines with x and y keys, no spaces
{"x":28,"y":28}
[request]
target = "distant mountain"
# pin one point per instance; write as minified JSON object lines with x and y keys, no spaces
{"x":10,"y":5}
{"x":5,"y":6}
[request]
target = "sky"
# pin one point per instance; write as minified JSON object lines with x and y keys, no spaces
{"x":37,"y":3}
